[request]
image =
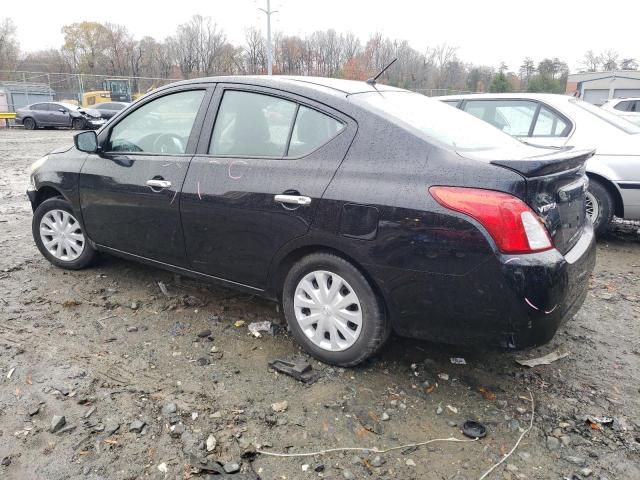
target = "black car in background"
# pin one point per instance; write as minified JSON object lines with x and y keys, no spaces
{"x":58,"y":114}
{"x":363,"y":209}
{"x":109,"y":109}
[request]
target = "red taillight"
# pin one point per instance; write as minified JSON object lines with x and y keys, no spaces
{"x":511,"y":223}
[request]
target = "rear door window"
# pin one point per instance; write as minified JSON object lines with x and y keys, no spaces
{"x":511,"y":116}
{"x":252,"y":124}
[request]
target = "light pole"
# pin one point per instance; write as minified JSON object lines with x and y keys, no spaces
{"x":268,"y":12}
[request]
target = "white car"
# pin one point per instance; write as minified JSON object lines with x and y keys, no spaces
{"x":627,"y":108}
{"x":563,"y":121}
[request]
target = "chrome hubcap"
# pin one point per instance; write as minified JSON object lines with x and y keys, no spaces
{"x":328,"y":310}
{"x":61,"y":235}
{"x":591,"y":206}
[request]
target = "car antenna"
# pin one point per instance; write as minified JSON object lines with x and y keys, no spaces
{"x":372,"y":81}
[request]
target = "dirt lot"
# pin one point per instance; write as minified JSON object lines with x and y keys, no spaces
{"x":106,"y":348}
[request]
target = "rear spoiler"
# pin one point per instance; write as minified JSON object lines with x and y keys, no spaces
{"x":548,"y":164}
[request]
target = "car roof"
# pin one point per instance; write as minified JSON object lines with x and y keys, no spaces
{"x":335,"y":86}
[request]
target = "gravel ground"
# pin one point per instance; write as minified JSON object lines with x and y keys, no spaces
{"x":152,"y":384}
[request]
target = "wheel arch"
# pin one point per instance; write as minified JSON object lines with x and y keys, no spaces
{"x":46,"y":192}
{"x":286,"y":262}
{"x":618,"y":210}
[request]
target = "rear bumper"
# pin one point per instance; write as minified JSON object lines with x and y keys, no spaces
{"x":510,"y":301}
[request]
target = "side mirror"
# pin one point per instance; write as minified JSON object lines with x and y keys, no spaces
{"x":86,"y":141}
{"x":62,"y":110}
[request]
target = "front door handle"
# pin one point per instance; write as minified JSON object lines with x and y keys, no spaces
{"x":154,"y":183}
{"x":292,"y":199}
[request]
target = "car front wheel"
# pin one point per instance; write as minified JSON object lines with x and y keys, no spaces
{"x":59,"y":235}
{"x":333,"y":311}
{"x":77,"y":123}
{"x":29,"y":123}
{"x":599,"y":205}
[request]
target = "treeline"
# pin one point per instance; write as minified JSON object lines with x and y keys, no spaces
{"x":199,"y":47}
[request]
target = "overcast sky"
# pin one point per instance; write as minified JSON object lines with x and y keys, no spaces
{"x":486,"y":32}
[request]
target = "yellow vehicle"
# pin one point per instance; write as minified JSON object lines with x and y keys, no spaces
{"x":112,"y":90}
{"x":98,"y":96}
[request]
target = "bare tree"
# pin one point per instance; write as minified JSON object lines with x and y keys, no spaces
{"x":591,"y":62}
{"x":610,"y":60}
{"x":9,"y":47}
{"x":255,"y":54}
{"x":628,"y":64}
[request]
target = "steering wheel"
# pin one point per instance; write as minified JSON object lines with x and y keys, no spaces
{"x":168,"y":143}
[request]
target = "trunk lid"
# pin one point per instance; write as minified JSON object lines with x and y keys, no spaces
{"x":555,"y":186}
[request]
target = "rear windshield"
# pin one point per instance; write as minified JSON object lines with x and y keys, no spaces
{"x":434,"y":120}
{"x":608,"y":117}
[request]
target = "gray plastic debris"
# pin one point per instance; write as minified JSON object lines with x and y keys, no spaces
{"x":544,"y":360}
{"x":256,"y":327}
{"x":299,"y":369}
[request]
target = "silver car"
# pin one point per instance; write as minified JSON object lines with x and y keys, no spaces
{"x":58,"y":114}
{"x":563,"y":121}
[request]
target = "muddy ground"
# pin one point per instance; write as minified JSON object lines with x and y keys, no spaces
{"x":106,"y":348}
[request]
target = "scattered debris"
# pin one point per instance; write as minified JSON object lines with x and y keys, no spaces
{"x":544,"y":360}
{"x":136,"y":426}
{"x":163,"y":289}
{"x":452,"y":409}
{"x":280,"y":407}
{"x":211,"y":443}
{"x":256,"y":327}
{"x":162,"y":467}
{"x":169,"y":408}
{"x":204,"y":334}
{"x":487,"y":394}
{"x":11,"y":373}
{"x":474,"y":429}
{"x":298,"y":368}
{"x":57,"y":422}
{"x":443,"y":376}
{"x":239,"y":323}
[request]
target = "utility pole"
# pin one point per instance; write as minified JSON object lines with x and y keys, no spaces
{"x":268,"y":12}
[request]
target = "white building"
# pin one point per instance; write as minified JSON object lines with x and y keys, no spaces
{"x":596,"y":87}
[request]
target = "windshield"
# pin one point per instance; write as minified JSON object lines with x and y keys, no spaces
{"x":434,"y":120}
{"x":608,"y":117}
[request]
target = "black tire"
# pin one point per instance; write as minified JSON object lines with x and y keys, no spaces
{"x":603,"y":203}
{"x":375,"y":328}
{"x":77,"y":123}
{"x":88,"y":253}
{"x":29,"y":123}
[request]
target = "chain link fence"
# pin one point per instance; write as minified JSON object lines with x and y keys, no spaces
{"x":22,"y":88}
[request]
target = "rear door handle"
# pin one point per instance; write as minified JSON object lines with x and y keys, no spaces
{"x":292,"y":199}
{"x":153,"y":183}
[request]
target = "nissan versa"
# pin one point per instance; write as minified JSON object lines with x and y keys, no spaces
{"x":364,"y":209}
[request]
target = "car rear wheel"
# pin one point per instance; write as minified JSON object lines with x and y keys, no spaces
{"x":333,"y":311}
{"x":59,"y":235}
{"x":77,"y":123}
{"x":29,"y":123}
{"x":599,"y":205}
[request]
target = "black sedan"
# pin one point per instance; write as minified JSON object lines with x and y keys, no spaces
{"x":58,"y":114}
{"x":109,"y":109}
{"x":363,"y":209}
